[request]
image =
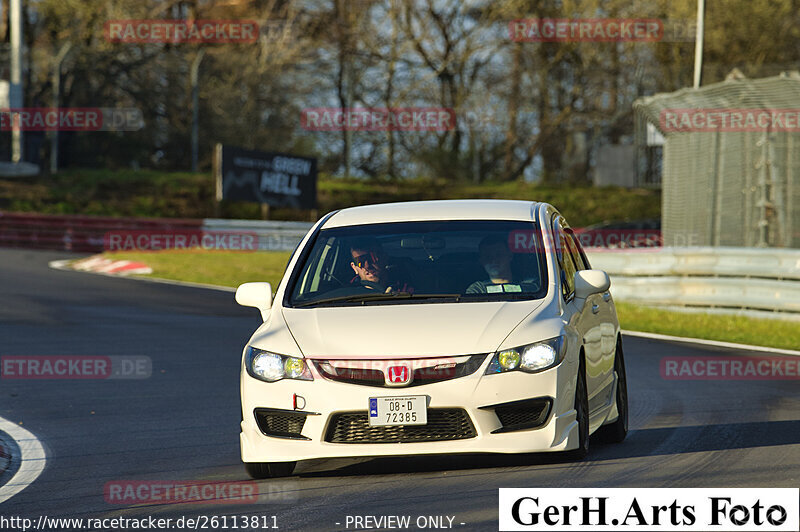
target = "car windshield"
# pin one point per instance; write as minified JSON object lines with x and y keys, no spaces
{"x":413,"y":262}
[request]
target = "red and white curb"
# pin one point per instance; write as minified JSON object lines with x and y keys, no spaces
{"x":68,"y":265}
{"x":100,"y":264}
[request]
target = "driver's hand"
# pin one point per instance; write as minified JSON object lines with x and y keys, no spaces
{"x":389,"y":290}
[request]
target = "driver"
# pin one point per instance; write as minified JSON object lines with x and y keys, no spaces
{"x":373,"y":270}
{"x":495,"y":257}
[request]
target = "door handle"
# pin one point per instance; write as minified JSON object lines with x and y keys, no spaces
{"x":606,"y":296}
{"x":595,"y":308}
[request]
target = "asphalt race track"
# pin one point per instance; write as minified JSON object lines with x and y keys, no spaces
{"x":182,"y":422}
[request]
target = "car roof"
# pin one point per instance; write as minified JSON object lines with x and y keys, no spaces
{"x":434,"y":210}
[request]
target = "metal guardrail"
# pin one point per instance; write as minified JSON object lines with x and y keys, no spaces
{"x":754,"y":294}
{"x":272,"y":235}
{"x":768,"y":263}
{"x":734,"y":278}
{"x":87,"y":233}
{"x":76,"y":233}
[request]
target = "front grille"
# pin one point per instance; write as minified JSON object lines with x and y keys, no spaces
{"x":437,"y":372}
{"x":444,"y":424}
{"x":281,"y":423}
{"x":366,"y":377}
{"x":430,"y":375}
{"x":525,"y":414}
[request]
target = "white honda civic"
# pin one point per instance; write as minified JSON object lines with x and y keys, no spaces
{"x":432,"y":327}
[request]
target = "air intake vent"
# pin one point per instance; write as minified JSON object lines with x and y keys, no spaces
{"x":444,"y":424}
{"x":521,"y":415}
{"x":281,"y":423}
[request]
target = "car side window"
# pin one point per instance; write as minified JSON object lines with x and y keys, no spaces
{"x":575,"y":251}
{"x":566,"y":263}
{"x":586,"y":263}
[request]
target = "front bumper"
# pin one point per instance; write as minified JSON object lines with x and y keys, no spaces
{"x":324,"y":399}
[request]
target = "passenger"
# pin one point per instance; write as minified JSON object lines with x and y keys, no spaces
{"x":495,"y":257}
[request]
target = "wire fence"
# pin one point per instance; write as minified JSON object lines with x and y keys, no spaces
{"x":731,"y":160}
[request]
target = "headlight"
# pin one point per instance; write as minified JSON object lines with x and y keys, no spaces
{"x":273,"y":367}
{"x":538,"y":356}
{"x":529,"y":358}
{"x":267,"y":366}
{"x":508,"y":359}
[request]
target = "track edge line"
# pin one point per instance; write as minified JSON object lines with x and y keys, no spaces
{"x":715,"y":343}
{"x":33,"y":459}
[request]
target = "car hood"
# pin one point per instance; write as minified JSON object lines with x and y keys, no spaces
{"x":405,"y":330}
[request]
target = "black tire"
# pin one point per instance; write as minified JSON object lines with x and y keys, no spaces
{"x":616,"y":431}
{"x":582,"y":414}
{"x":260,"y":470}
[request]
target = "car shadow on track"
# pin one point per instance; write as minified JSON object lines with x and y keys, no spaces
{"x":700,"y":438}
{"x":639,"y":443}
{"x":437,"y":463}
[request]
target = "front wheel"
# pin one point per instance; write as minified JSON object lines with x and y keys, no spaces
{"x":616,"y":431}
{"x":581,"y":414}
{"x":260,"y":470}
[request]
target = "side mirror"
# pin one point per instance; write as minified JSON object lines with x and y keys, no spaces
{"x":588,"y":282}
{"x":258,"y":295}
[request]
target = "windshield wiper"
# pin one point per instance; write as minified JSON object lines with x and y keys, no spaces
{"x":409,"y":295}
{"x":377,"y":297}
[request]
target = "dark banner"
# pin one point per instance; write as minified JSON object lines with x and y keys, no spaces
{"x":277,"y":179}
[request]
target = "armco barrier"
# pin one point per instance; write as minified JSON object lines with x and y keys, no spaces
{"x":734,"y":278}
{"x":272,"y":235}
{"x":86,"y":233}
{"x":76,"y":233}
{"x":767,"y":263}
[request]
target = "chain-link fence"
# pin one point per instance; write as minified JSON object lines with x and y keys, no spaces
{"x":731,"y":161}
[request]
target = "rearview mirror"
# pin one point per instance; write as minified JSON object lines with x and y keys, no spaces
{"x":258,"y":295}
{"x":425,"y":242}
{"x":588,"y":282}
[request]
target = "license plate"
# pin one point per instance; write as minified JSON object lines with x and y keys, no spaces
{"x":390,"y":411}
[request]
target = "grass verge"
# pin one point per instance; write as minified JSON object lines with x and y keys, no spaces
{"x":230,"y":268}
{"x":223,"y":268}
{"x":724,"y":328}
